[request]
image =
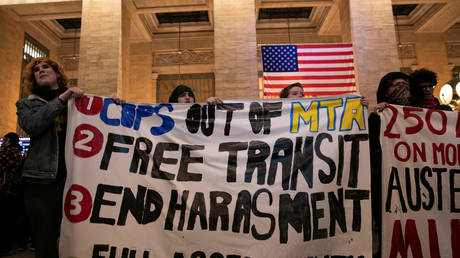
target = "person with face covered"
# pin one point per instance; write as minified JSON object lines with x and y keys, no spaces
{"x":394,"y":88}
{"x":43,"y":115}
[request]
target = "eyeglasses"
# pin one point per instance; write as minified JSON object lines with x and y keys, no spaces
{"x":427,"y":85}
{"x":399,"y":84}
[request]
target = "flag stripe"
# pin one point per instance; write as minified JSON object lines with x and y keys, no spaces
{"x":317,"y":93}
{"x":311,"y":77}
{"x":307,"y":74}
{"x":344,"y":53}
{"x":327,"y":69}
{"x":325,"y":57}
{"x":325,"y":65}
{"x":310,"y":61}
{"x":325,"y":82}
{"x":280,"y":86}
{"x":323,"y":50}
{"x":325,"y":45}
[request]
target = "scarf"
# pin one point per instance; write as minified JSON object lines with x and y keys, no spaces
{"x":401,"y":96}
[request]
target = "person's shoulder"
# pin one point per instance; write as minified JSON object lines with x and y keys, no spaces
{"x":29,"y":100}
{"x":443,"y":107}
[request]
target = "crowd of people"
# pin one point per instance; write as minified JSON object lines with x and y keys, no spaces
{"x":37,"y":181}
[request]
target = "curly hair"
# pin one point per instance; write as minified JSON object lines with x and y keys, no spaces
{"x":29,"y":76}
{"x":285,"y":92}
{"x":424,"y":75}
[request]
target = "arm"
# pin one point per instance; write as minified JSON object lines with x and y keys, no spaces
{"x":35,"y":117}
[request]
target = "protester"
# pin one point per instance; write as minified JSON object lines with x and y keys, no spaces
{"x":293,"y":91}
{"x":43,"y":115}
{"x":184,"y":94}
{"x":427,"y":80}
{"x":394,"y":88}
{"x":10,"y":176}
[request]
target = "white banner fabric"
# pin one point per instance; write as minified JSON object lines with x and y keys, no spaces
{"x":420,"y":182}
{"x":250,"y":178}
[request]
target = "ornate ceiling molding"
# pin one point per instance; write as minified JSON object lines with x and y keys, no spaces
{"x":453,"y":49}
{"x":185,"y":57}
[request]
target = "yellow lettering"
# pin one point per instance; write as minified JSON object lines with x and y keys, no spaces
{"x":309,"y":116}
{"x":353,"y":112}
{"x":331,"y":105}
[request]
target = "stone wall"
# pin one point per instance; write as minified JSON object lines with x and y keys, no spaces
{"x":11,"y":40}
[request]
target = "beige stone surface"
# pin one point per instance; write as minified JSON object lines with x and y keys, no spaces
{"x":372,"y":31}
{"x":235,"y":49}
{"x":12,"y":2}
{"x":11,"y":40}
{"x":101,"y":47}
{"x":432,"y":55}
{"x":141,"y":86}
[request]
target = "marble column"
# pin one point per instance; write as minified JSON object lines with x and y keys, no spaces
{"x":104,"y":47}
{"x":369,"y":25}
{"x":235,"y":49}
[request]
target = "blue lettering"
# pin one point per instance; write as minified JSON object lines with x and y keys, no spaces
{"x":142,"y":111}
{"x":103,"y":114}
{"x":168,"y":122}
{"x":131,"y":116}
{"x":128,"y":111}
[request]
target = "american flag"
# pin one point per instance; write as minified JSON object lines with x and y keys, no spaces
{"x":322,"y":69}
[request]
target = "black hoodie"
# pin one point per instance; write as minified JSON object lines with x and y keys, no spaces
{"x":178,"y":91}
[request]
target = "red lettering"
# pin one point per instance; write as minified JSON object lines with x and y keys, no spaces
{"x":450,"y":149}
{"x":443,"y":122}
{"x":396,"y":152}
{"x":455,"y":237}
{"x":433,"y":236}
{"x":397,"y":241}
{"x":437,"y":149}
{"x":419,"y":152}
{"x":391,"y":124}
{"x":458,"y":153}
{"x":416,"y":128}
{"x":412,"y":240}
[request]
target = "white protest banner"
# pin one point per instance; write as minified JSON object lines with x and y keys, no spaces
{"x":420,"y":182}
{"x":254,"y":178}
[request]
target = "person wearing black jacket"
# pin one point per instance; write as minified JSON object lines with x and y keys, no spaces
{"x":10,"y":175}
{"x":427,"y":80}
{"x":394,"y":88}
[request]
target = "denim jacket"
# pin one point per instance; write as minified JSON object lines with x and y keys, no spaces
{"x":37,"y":117}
